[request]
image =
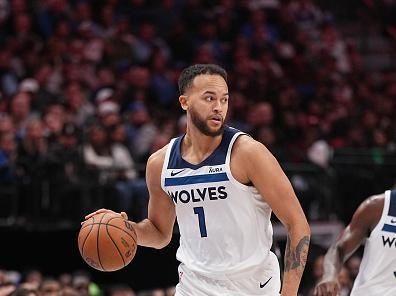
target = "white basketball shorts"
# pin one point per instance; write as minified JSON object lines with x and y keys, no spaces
{"x":264,"y":281}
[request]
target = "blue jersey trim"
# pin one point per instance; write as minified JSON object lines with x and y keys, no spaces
{"x":392,"y":204}
{"x":218,"y":157}
{"x":389,"y":228}
{"x":208,"y":178}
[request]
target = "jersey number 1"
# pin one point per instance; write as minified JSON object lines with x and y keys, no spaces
{"x":201,"y":220}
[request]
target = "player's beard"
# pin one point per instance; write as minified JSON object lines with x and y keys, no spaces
{"x":203,"y":126}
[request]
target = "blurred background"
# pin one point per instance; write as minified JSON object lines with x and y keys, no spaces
{"x":88,"y":90}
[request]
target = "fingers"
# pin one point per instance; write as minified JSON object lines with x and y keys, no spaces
{"x":326,"y":290}
{"x":124,"y":215}
{"x":96,"y":212}
{"x":335,"y":290}
{"x":319,"y":291}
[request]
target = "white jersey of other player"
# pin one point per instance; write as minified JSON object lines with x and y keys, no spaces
{"x":225,"y":228}
{"x":377,"y":273}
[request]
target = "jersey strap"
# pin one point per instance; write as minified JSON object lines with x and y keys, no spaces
{"x":390,"y":226}
{"x":218,"y":157}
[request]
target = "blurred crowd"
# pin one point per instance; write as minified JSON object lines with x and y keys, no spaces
{"x":88,"y":90}
{"x":32,"y":282}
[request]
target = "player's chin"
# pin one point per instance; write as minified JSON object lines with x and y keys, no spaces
{"x":215,"y":130}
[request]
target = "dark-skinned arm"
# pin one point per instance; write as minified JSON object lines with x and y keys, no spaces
{"x":364,"y":219}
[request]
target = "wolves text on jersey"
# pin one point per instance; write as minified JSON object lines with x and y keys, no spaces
{"x":198,"y":194}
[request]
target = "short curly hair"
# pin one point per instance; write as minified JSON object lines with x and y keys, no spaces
{"x":189,"y":73}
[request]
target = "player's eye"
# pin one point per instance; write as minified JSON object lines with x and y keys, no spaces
{"x":209,"y":98}
{"x":224,"y":100}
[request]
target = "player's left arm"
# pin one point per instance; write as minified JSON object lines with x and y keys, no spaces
{"x":264,"y":171}
{"x":363,"y":220}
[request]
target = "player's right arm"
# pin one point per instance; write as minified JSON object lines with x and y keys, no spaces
{"x":364,"y":219}
{"x":155,"y":231}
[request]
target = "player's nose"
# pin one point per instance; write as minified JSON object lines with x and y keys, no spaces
{"x":217,"y":106}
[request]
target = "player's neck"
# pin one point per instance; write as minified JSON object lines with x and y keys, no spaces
{"x":198,"y":146}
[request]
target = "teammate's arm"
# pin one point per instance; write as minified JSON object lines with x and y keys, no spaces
{"x":155,"y":231}
{"x":263,"y":170}
{"x":351,"y":238}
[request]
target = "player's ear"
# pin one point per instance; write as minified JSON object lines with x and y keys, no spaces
{"x":183,"y":102}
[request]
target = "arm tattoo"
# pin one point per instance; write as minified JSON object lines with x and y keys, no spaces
{"x":296,"y":258}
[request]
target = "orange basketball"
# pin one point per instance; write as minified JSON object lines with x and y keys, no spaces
{"x":107,"y":242}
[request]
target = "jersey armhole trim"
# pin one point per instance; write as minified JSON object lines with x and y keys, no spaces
{"x":166,"y":162}
{"x":384,"y":212}
{"x":228,"y":163}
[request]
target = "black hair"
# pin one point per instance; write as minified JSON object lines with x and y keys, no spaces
{"x":189,"y":73}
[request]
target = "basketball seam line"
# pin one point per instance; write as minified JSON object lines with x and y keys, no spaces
{"x":119,"y":252}
{"x":83,"y":247}
{"x":97,"y":241}
{"x":85,"y":239}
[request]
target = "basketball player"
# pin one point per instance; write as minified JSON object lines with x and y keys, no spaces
{"x":221,"y":184}
{"x":373,"y":223}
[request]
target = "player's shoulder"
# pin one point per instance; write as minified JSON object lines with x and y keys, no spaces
{"x":370,"y":210}
{"x":156,"y":160}
{"x":245,"y":141}
{"x":247,"y":145}
{"x":374,"y":202}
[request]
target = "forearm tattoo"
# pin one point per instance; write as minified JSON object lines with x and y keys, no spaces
{"x":296,"y":258}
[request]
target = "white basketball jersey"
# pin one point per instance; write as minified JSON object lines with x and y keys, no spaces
{"x":377,"y":273}
{"x":225,"y":227}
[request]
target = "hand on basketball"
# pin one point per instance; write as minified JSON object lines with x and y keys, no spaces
{"x":107,"y":241}
{"x":326,"y":288}
{"x":122,"y":214}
